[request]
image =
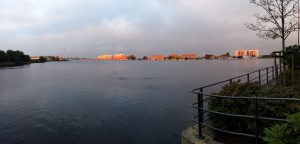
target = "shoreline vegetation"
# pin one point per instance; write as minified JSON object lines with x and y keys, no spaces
{"x":12,"y":58}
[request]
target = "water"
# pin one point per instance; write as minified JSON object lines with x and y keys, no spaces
{"x":87,"y":102}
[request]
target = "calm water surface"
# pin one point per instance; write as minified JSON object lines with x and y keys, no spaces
{"x":88,"y":102}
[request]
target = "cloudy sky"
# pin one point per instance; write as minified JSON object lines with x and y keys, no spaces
{"x":88,"y":28}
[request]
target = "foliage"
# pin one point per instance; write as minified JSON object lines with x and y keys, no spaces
{"x":2,"y":56}
{"x":290,"y":52}
{"x":278,"y":21}
{"x":145,"y":58}
{"x":265,"y":108}
{"x":16,"y":57}
{"x":173,"y":57}
{"x":42,"y":59}
{"x":288,"y":133}
{"x":132,"y":57}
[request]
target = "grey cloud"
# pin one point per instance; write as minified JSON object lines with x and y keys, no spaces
{"x":91,"y":27}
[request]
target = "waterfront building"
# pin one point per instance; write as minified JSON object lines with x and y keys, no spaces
{"x":113,"y":57}
{"x":120,"y":57}
{"x":156,"y":57}
{"x":189,"y":56}
{"x":105,"y":57}
{"x":247,"y":53}
{"x":33,"y":58}
{"x":52,"y":58}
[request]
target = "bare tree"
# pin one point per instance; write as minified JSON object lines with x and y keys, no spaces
{"x":278,"y":21}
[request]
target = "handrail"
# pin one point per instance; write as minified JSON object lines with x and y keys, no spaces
{"x":250,"y":98}
{"x":231,"y":79}
{"x":264,"y":76}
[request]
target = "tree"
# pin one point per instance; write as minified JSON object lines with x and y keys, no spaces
{"x":145,"y":58}
{"x":279,"y":20}
{"x":2,"y":56}
{"x":132,"y":57}
{"x":42,"y":59}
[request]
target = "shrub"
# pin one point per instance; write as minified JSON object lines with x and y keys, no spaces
{"x":293,"y":50}
{"x":276,"y":109}
{"x":288,"y":133}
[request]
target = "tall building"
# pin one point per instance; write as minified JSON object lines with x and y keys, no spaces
{"x":247,"y":53}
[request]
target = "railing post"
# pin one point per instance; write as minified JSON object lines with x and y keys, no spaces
{"x":230,"y":81}
{"x":293,"y":69}
{"x":248,"y":77}
{"x":276,"y":70}
{"x":272,"y":72}
{"x":200,"y":114}
{"x":259,"y":78}
{"x":267,"y":75}
{"x":256,"y":120}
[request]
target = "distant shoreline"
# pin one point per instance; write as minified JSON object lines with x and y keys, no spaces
{"x":87,"y":59}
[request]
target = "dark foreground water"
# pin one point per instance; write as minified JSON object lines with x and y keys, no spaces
{"x":88,"y":102}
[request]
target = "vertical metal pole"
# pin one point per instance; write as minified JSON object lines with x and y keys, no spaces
{"x":272,"y":72}
{"x":267,"y":75}
{"x":280,"y":70}
{"x":276,"y":70}
{"x":256,"y":120}
{"x":248,"y":77}
{"x":200,"y":114}
{"x":280,"y":66}
{"x":293,"y":68}
{"x":230,"y":81}
{"x":259,"y":78}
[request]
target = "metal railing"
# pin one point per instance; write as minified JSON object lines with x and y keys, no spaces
{"x":262,"y":76}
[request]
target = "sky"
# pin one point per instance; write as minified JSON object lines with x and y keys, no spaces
{"x":87,"y":28}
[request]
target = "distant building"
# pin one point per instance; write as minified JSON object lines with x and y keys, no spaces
{"x":52,"y":58}
{"x":113,"y":57}
{"x":35,"y":58}
{"x":105,"y":57}
{"x":156,"y":57}
{"x":173,"y":57}
{"x":247,"y":53}
{"x":120,"y":57}
{"x":189,"y":56}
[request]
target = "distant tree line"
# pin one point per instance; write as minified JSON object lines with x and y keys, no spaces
{"x":14,"y":57}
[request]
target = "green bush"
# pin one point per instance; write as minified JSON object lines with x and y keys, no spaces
{"x":42,"y":59}
{"x":276,"y":109}
{"x":288,"y":133}
{"x":293,"y":51}
{"x":15,"y":57}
